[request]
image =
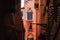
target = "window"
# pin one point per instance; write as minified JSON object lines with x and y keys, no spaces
{"x":30,"y":28}
{"x":36,"y":5}
{"x":29,"y":15}
{"x":30,"y":37}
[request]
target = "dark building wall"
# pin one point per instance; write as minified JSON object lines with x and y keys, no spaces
{"x":53,"y":20}
{"x":8,"y":7}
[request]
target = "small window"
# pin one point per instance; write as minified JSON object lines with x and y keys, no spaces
{"x":29,"y":15}
{"x":30,"y":37}
{"x":30,"y":28}
{"x":36,"y":5}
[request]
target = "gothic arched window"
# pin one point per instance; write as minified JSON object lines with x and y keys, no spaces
{"x":29,"y":14}
{"x":30,"y":37}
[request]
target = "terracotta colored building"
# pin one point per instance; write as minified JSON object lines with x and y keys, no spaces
{"x":33,"y":15}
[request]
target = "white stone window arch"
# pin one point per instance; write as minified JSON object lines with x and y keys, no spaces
{"x":30,"y":37}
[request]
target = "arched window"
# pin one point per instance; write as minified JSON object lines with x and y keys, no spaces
{"x":30,"y":37}
{"x":29,"y":14}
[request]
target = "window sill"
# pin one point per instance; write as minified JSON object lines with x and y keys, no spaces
{"x":28,"y":20}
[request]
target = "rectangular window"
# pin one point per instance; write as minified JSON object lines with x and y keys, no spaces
{"x":36,"y":5}
{"x":29,"y":15}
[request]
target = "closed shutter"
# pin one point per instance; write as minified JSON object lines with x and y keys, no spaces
{"x":29,"y":15}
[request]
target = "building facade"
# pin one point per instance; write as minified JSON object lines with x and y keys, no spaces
{"x":33,"y":15}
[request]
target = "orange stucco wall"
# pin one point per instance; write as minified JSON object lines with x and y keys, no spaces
{"x":37,"y":18}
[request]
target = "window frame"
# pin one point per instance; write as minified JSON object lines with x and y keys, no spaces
{"x":31,"y":17}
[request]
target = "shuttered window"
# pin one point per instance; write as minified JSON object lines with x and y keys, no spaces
{"x":29,"y":15}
